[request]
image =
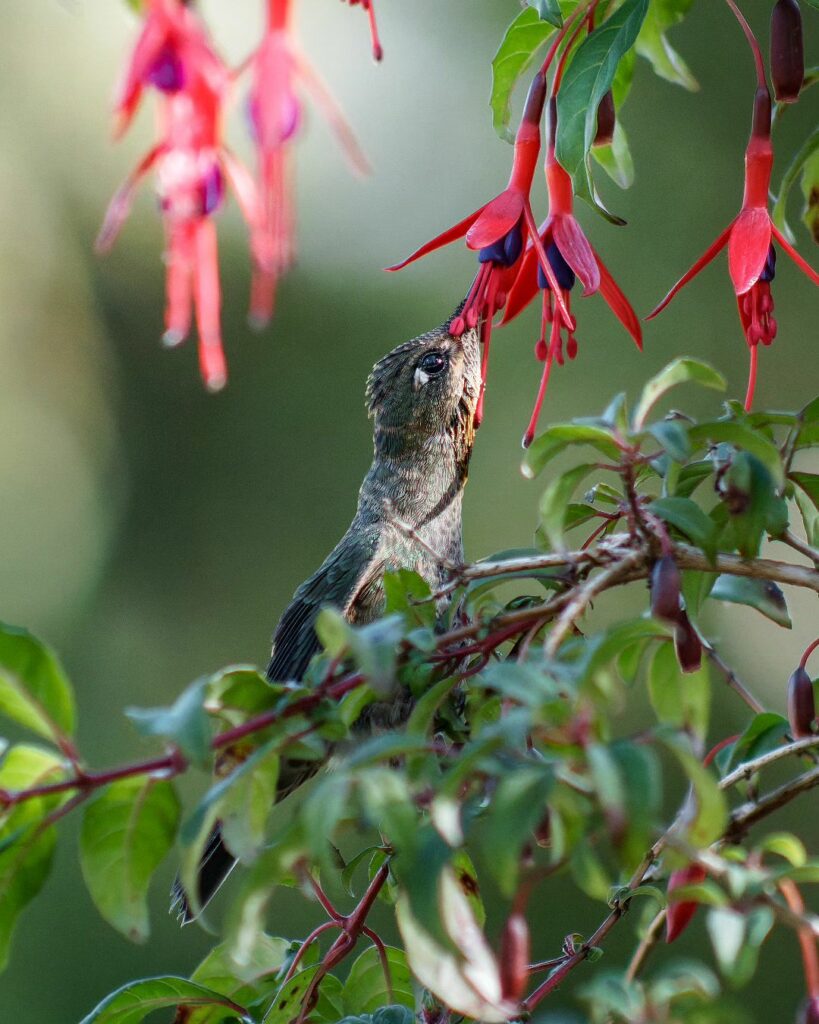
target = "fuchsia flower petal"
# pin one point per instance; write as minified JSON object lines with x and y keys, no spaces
{"x":689,"y":275}
{"x":803,"y":265}
{"x":450,"y":235}
{"x":498,"y":217}
{"x":120,"y":205}
{"x":748,"y":246}
{"x":576,"y":251}
{"x":207,"y":294}
{"x":618,"y":303}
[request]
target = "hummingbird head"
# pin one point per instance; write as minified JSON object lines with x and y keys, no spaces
{"x":427,"y":387}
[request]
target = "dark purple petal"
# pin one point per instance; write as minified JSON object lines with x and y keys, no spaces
{"x":167,"y":72}
{"x":563,"y":272}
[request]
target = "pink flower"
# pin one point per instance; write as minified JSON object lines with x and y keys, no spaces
{"x":275,"y":109}
{"x":191,"y":165}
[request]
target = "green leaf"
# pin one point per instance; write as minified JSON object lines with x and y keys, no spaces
{"x":709,"y":813}
{"x":374,"y":648}
{"x":408,"y":593}
{"x":366,"y":988}
{"x":247,"y":802}
{"x":737,"y":434}
{"x":548,"y":10}
{"x":689,"y":519}
{"x":682,"y":701}
{"x":764,"y":733}
{"x":736,"y":938}
{"x":554,"y":440}
{"x":752,"y":504}
{"x":810,"y":190}
{"x":34,"y":690}
{"x":126,"y":832}
{"x":785,"y":845}
{"x":185,"y":723}
{"x":587,"y":80}
{"x":809,"y":513}
{"x":524,"y":37}
{"x":806,"y":161}
{"x":673,"y":438}
{"x":555,"y":500}
{"x":615,"y":158}
{"x":653,"y":45}
{"x":517,"y":808}
{"x":469,"y":983}
{"x":26,"y":849}
{"x":245,"y":985}
{"x":681,"y":371}
{"x":764,"y":595}
{"x":133,"y":1002}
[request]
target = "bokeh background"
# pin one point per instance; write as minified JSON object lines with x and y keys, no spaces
{"x":152,"y":532}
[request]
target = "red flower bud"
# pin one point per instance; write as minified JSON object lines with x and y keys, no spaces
{"x":801,"y":709}
{"x":787,"y":53}
{"x":809,"y":1012}
{"x":665,"y":590}
{"x":514,"y":958}
{"x":606,"y":119}
{"x":687,"y":645}
{"x":680,"y":912}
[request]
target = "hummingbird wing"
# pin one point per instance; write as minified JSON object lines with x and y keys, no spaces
{"x":349,"y":579}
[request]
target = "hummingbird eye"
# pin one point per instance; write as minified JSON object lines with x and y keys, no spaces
{"x":432,"y":363}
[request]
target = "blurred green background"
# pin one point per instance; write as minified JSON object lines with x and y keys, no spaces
{"x":152,"y":532}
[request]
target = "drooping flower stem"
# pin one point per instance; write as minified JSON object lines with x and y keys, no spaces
{"x":586,"y":23}
{"x":808,"y":652}
{"x":561,"y":35}
{"x":807,"y":941}
{"x":752,"y":42}
{"x":749,"y":392}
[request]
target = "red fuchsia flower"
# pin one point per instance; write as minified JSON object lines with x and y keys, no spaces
{"x":275,"y":116}
{"x":191,"y":165}
{"x":498,"y":231}
{"x":369,"y":7}
{"x":570,"y":257}
{"x":749,"y":238}
{"x":171,"y":49}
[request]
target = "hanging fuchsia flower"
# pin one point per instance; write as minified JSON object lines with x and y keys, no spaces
{"x":749,"y":238}
{"x":172,"y":48}
{"x":368,"y":6}
{"x":570,"y":257}
{"x":278,"y":69}
{"x":498,"y":231}
{"x":191,"y":166}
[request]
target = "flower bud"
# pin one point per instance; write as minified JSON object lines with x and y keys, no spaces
{"x":801,"y":709}
{"x":514,"y":958}
{"x":665,"y":590}
{"x":687,"y":645}
{"x":809,"y":1011}
{"x":680,"y":913}
{"x":787,"y":52}
{"x":606,"y":119}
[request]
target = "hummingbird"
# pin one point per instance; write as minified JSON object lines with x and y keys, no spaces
{"x":422,"y":398}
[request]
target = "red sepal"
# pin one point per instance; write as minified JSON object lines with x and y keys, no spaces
{"x":618,"y":303}
{"x":803,"y":265}
{"x":689,"y":275}
{"x":748,"y":247}
{"x":576,"y":251}
{"x":496,"y":218}
{"x":450,"y":235}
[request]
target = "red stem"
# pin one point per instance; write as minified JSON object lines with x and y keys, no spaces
{"x":752,"y":42}
{"x":561,"y":35}
{"x":810,"y":649}
{"x":810,"y":959}
{"x":589,"y":23}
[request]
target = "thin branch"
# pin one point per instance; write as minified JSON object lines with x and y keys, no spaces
{"x":799,"y":545}
{"x":749,"y":768}
{"x":750,"y":813}
{"x":733,"y":680}
{"x":584,"y":596}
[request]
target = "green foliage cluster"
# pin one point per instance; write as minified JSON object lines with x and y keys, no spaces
{"x":517,"y":772}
